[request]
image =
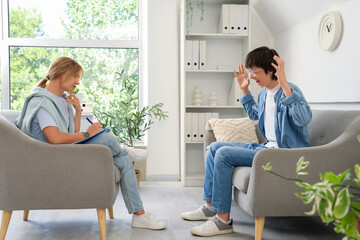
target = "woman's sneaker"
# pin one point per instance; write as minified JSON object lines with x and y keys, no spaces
{"x":148,"y":221}
{"x":202,"y":213}
{"x":135,"y":154}
{"x":213,"y":226}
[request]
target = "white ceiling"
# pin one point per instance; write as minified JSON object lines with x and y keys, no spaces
{"x":280,"y":15}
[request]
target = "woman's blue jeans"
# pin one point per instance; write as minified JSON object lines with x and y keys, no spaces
{"x":128,"y":182}
{"x":221,"y":160}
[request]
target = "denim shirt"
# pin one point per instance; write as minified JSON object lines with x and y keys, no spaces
{"x":292,"y":115}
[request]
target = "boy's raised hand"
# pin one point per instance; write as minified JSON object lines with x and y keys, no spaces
{"x":242,"y":79}
{"x":280,"y":74}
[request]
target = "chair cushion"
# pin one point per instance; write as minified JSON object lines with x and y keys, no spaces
{"x":241,"y":177}
{"x":117,"y":174}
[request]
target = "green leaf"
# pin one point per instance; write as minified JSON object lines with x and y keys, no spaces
{"x":357,"y":169}
{"x":358,"y":137}
{"x":267,"y":167}
{"x":342,"y":204}
{"x":304,"y":185}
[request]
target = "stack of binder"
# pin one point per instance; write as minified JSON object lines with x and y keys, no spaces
{"x":195,"y":55}
{"x":195,"y":125}
{"x":234,"y":19}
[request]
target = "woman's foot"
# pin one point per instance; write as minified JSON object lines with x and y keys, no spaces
{"x":148,"y":221}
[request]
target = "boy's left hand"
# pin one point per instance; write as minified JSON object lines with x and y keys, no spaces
{"x":280,"y":74}
{"x":73,"y":100}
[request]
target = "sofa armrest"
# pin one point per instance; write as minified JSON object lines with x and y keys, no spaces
{"x":269,"y":195}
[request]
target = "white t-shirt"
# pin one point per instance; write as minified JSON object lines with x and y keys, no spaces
{"x":43,"y":119}
{"x":269,"y":117}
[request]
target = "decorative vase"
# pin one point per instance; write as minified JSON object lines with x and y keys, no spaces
{"x":213,"y":99}
{"x":197,"y":96}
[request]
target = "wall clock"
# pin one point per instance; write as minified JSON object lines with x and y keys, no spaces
{"x":330,"y":30}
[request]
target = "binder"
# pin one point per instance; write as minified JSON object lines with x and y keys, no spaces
{"x":202,"y":57}
{"x":224,"y":19}
{"x":201,"y":127}
{"x":234,"y":94}
{"x":239,"y":19}
{"x":215,"y":115}
{"x":194,"y":127}
{"x":188,"y":55}
{"x":208,"y":116}
{"x":244,"y":10}
{"x":195,"y":55}
{"x":187,"y":127}
{"x":233,"y":18}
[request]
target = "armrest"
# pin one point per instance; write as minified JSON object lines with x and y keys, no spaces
{"x":37,"y":175}
{"x":269,"y":195}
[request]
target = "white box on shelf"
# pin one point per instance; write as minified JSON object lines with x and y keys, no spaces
{"x":215,"y":115}
{"x":208,"y":116}
{"x":201,"y":127}
{"x":202,"y":58}
{"x":234,"y":94}
{"x":233,"y":15}
{"x":224,"y":19}
{"x":244,"y":9}
{"x":195,"y":127}
{"x":195,"y":55}
{"x":188,"y":55}
{"x":188,"y":127}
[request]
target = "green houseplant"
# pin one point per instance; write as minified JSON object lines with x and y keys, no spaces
{"x":334,"y":199}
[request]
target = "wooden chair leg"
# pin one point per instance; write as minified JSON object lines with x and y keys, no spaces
{"x":357,"y":225}
{"x":26,"y":215}
{"x":111,"y":212}
{"x":259,"y":227}
{"x":6,"y":216}
{"x":101,"y":213}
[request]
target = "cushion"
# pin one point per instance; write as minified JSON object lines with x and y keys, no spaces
{"x":233,"y":130}
{"x":241,"y":178}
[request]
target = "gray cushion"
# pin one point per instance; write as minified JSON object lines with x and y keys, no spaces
{"x":10,"y":115}
{"x":241,"y":178}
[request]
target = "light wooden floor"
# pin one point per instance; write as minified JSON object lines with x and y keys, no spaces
{"x":166,"y":200}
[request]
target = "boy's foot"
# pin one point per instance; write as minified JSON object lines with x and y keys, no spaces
{"x":147,"y":221}
{"x":135,"y":154}
{"x":213,"y":226}
{"x":202,"y":213}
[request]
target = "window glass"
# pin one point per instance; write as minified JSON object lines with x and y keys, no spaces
{"x":101,"y":83}
{"x":74,"y":19}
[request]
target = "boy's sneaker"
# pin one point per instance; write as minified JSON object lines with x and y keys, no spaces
{"x":213,"y":226}
{"x":147,"y":221}
{"x":202,"y":213}
{"x":135,"y":154}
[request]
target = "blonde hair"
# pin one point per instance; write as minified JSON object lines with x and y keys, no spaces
{"x":59,"y":67}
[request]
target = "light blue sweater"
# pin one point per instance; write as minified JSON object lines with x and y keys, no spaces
{"x":41,"y":98}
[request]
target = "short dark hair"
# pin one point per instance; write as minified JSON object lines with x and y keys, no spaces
{"x":262,"y":57}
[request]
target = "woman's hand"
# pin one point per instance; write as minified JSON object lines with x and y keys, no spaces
{"x":94,"y":128}
{"x":73,"y":100}
{"x":242,"y":79}
{"x":280,"y":74}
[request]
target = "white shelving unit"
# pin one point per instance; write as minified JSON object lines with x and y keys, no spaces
{"x":221,"y":49}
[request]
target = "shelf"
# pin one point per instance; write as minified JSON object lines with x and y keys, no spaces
{"x":210,"y":71}
{"x":228,"y":107}
{"x":195,"y":176}
{"x":217,"y":35}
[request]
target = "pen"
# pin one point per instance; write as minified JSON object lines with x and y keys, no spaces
{"x":89,"y":120}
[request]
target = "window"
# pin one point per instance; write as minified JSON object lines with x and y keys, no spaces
{"x":104,"y":36}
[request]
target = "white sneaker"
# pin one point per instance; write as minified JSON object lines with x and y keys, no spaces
{"x":213,"y":226}
{"x":202,"y":213}
{"x":135,"y":154}
{"x":147,"y":221}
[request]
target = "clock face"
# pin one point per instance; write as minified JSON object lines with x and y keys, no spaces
{"x":330,"y":30}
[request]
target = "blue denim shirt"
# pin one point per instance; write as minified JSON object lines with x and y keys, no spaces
{"x":292,"y":115}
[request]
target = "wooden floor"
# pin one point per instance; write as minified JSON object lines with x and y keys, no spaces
{"x":166,"y":200}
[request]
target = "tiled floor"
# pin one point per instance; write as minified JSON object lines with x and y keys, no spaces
{"x":166,"y":200}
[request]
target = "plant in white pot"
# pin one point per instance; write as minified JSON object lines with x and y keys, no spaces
{"x":127,"y":122}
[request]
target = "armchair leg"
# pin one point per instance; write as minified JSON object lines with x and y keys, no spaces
{"x":26,"y":215}
{"x":6,"y":216}
{"x":357,"y":225}
{"x":111,"y":212}
{"x":259,"y":227}
{"x":102,"y":222}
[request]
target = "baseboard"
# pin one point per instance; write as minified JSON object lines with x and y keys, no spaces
{"x":162,"y":177}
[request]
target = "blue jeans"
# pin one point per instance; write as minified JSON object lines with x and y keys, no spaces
{"x":221,"y":160}
{"x":128,"y":182}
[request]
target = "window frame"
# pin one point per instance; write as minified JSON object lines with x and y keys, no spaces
{"x":7,"y":42}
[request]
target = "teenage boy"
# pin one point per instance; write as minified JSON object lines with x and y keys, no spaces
{"x":283,"y":115}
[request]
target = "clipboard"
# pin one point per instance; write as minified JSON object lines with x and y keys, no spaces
{"x":86,"y":139}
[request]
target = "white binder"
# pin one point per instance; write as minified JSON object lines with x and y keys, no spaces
{"x":234,"y":94}
{"x":201,"y":127}
{"x":187,"y":127}
{"x":202,"y":58}
{"x":208,"y":116}
{"x":244,"y":9}
{"x":224,"y":19}
{"x":195,"y":55}
{"x":194,"y":127}
{"x":233,"y":21}
{"x":188,"y":54}
{"x":215,"y":115}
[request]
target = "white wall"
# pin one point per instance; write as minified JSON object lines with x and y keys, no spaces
{"x":323,"y":76}
{"x":163,"y":85}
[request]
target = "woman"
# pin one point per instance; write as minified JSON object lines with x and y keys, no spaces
{"x":48,"y":117}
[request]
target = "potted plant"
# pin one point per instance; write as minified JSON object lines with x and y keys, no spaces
{"x":127,"y":122}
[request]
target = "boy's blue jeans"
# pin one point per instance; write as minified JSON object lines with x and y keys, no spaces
{"x":221,"y":160}
{"x":128,"y":182}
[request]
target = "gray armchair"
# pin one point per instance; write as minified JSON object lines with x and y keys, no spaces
{"x":334,"y":147}
{"x":36,"y":175}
